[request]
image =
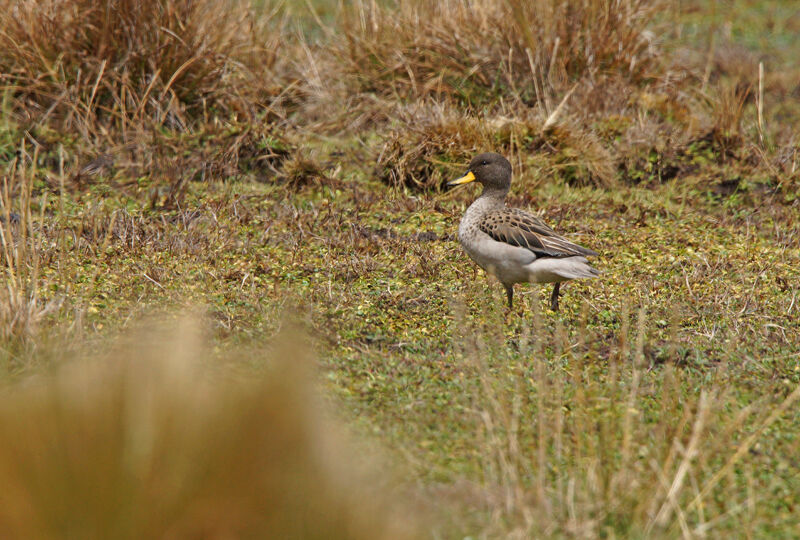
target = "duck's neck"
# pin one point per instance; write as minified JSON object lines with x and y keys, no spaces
{"x":495,"y":194}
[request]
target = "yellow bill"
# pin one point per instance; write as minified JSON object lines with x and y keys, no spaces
{"x":466,"y":179}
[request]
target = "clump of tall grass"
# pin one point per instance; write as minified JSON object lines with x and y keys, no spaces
{"x":92,"y":64}
{"x":154,"y":438}
{"x":483,"y":50}
{"x":436,"y":143}
{"x":552,"y":68}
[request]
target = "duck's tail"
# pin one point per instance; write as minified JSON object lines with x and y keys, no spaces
{"x":551,"y":269}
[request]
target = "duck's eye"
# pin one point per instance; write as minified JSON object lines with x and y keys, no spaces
{"x":484,"y":162}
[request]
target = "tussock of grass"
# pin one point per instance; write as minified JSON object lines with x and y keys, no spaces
{"x":431,"y":148}
{"x":236,"y":150}
{"x":475,"y":51}
{"x":117,"y":63}
{"x":168,"y":161}
{"x":150,"y":441}
{"x":427,"y":152}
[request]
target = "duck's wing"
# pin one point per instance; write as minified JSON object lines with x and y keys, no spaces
{"x":518,"y":228}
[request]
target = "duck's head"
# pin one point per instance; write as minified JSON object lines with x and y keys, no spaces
{"x":490,"y":169}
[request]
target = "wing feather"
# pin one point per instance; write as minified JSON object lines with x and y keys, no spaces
{"x":518,"y":228}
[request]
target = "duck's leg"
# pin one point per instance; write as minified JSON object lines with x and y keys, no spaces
{"x":510,"y":295}
{"x":554,"y":297}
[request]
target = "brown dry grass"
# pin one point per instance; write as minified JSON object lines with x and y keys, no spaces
{"x":89,"y":66}
{"x":435,"y":144}
{"x":24,"y":251}
{"x":473,"y":51}
{"x":419,"y":74}
{"x":593,"y":73}
{"x":149,"y":441}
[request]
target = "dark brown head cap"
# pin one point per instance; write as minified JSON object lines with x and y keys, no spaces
{"x":490,"y":169}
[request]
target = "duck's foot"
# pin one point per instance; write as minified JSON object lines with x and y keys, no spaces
{"x":509,"y":295}
{"x":554,"y":297}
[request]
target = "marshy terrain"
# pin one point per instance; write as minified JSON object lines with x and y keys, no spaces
{"x":278,"y":169}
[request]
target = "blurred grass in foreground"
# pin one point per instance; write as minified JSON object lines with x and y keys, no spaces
{"x":148,"y":440}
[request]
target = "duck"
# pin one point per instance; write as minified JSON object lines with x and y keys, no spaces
{"x":511,"y":244}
